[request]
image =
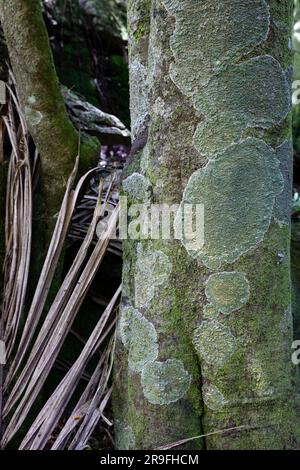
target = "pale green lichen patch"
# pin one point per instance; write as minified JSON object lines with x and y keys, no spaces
{"x":31,"y":100}
{"x":215,"y":33}
{"x":165,"y":382}
{"x":137,"y":187}
{"x":212,"y":397}
{"x":33,"y":117}
{"x":259,"y":379}
{"x":238,"y":98}
{"x":208,"y":141}
{"x":282,"y":208}
{"x":238,"y":189}
{"x":138,"y":96}
{"x":209,"y":311}
{"x":139,"y":337}
{"x":152,"y":270}
{"x":227,"y":291}
{"x":214,"y":342}
{"x":125,"y":439}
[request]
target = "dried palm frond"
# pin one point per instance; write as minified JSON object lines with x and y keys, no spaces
{"x":35,"y":336}
{"x":18,"y":233}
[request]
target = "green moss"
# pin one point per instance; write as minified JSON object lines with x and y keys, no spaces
{"x":138,"y":14}
{"x":141,"y":31}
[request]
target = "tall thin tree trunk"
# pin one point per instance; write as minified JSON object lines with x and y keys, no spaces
{"x":41,"y":99}
{"x":3,"y":166}
{"x":44,"y":109}
{"x":218,"y":100}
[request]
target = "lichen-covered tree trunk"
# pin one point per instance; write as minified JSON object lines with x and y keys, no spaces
{"x":154,"y":346}
{"x":209,"y":323}
{"x":42,"y":101}
{"x":295,"y":268}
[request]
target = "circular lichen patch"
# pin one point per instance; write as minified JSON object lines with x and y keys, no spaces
{"x":137,"y":187}
{"x":214,"y":342}
{"x":229,"y":107}
{"x":237,"y":189}
{"x":139,"y":337}
{"x":212,"y":397}
{"x":209,"y":311}
{"x":165,"y":382}
{"x":227,"y":291}
{"x":219,"y":28}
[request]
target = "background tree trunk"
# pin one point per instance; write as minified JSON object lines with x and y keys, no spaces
{"x":42,"y":101}
{"x":54,"y":135}
{"x":219,"y":135}
{"x":3,"y":166}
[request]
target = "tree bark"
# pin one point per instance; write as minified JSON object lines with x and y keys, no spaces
{"x":42,"y":101}
{"x":209,"y":323}
{"x":3,"y":166}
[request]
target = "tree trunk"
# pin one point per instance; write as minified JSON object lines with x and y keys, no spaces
{"x":219,"y":135}
{"x":3,"y":166}
{"x":42,"y":101}
{"x":143,"y":422}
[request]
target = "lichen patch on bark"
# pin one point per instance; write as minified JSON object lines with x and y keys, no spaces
{"x":138,"y":93}
{"x":209,"y":311}
{"x":238,"y":189}
{"x":139,"y":337}
{"x":152,"y":271}
{"x":125,"y":439}
{"x":165,"y":382}
{"x":227,"y":291}
{"x":33,"y":117}
{"x":225,"y":24}
{"x":137,"y":187}
{"x":212,"y":397}
{"x":228,"y":105}
{"x":214,"y":342}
